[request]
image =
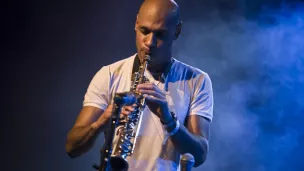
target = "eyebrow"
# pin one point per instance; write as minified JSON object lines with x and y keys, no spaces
{"x":161,"y":29}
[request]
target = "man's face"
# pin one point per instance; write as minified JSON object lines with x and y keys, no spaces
{"x":154,"y":36}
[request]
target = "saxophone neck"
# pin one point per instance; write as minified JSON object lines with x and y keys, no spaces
{"x":146,"y":61}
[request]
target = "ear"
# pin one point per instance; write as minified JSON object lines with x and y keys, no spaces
{"x":178,"y":29}
{"x":136,"y":22}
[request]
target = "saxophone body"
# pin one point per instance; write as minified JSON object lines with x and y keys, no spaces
{"x":127,"y":132}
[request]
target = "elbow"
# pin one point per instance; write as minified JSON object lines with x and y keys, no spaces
{"x":199,"y":161}
{"x":75,"y":151}
{"x":201,"y":156}
{"x":70,"y":150}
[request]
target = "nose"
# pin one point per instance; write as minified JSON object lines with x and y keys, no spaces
{"x":151,"y":40}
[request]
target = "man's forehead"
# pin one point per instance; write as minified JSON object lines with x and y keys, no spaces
{"x":155,"y":20}
{"x":158,"y":12}
{"x":151,"y":21}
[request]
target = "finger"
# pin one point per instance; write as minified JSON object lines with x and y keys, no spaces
{"x":153,"y":99}
{"x":129,"y":108}
{"x":121,"y":116}
{"x":125,"y":112}
{"x":146,"y":86}
{"x":152,"y":93}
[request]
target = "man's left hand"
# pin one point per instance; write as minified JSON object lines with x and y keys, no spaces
{"x":156,"y":101}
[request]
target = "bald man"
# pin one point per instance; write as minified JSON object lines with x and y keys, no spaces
{"x":179,"y":97}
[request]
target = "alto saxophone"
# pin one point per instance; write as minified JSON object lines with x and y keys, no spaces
{"x":128,"y":132}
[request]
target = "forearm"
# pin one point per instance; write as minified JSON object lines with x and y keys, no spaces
{"x":81,"y":138}
{"x":187,"y":142}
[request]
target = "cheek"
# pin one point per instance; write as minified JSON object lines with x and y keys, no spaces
{"x":162,"y":44}
{"x":136,"y":38}
{"x":139,"y":38}
{"x":165,"y":42}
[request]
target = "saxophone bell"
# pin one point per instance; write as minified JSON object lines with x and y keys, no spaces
{"x":119,"y":163}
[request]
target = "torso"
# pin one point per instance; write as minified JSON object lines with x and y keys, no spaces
{"x":151,"y":151}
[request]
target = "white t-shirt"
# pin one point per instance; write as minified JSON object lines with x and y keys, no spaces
{"x":189,"y":92}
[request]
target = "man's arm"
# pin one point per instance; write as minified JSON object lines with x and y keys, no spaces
{"x":89,"y":123}
{"x":93,"y":117}
{"x":193,"y":138}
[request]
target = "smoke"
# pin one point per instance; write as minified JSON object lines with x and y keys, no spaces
{"x":257,"y":70}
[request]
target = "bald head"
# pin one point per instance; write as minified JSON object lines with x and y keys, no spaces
{"x":160,"y":9}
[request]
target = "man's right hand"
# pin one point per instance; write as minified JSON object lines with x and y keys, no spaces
{"x":126,"y":110}
{"x":81,"y":137}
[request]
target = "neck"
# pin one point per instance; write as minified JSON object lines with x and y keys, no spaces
{"x":159,"y":67}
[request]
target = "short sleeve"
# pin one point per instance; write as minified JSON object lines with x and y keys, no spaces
{"x":202,"y":99}
{"x":97,"y":94}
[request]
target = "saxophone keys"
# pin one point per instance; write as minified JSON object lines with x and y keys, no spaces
{"x":126,"y":148}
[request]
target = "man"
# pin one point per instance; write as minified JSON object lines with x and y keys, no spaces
{"x":174,"y":89}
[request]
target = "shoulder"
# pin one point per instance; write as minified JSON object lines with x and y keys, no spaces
{"x":121,"y":64}
{"x":118,"y":66}
{"x":191,"y":72}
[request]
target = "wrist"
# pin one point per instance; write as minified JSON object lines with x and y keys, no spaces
{"x":166,"y":120}
{"x":173,"y":128}
{"x":167,"y":117}
{"x":170,"y":125}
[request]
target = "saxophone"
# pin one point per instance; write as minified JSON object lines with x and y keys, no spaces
{"x":128,"y":132}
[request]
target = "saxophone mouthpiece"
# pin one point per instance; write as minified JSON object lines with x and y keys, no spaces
{"x":147,"y":57}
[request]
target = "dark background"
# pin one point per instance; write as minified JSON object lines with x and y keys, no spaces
{"x":252,"y":50}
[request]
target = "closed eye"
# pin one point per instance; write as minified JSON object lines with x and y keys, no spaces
{"x":144,"y":30}
{"x":158,"y":33}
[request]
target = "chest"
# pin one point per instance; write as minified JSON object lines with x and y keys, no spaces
{"x":178,"y":98}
